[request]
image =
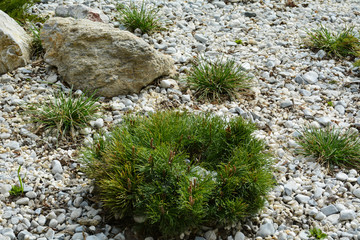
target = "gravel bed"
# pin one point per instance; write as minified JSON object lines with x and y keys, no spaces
{"x":292,"y":87}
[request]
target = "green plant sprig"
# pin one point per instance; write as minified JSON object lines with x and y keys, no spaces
{"x":317,"y":233}
{"x":17,"y":190}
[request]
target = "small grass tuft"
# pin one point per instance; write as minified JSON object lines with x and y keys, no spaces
{"x":65,"y":113}
{"x":342,"y":44}
{"x":19,"y":10}
{"x":239,"y":41}
{"x":317,"y":233}
{"x":37,"y":50}
{"x":143,"y":18}
{"x":17,"y":190}
{"x":217,"y":80}
{"x":331,"y":147}
{"x":171,"y":171}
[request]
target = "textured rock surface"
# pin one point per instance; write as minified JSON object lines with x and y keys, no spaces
{"x":80,"y":11}
{"x":95,"y":56}
{"x":14,"y":44}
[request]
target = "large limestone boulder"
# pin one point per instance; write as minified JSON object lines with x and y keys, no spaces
{"x":14,"y":44}
{"x":95,"y":56}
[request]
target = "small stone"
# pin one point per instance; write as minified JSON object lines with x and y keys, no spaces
{"x":23,"y":201}
{"x":347,"y":214}
{"x":333,"y":219}
{"x":311,"y":77}
{"x":25,"y":235}
{"x":8,"y":232}
{"x":219,"y":4}
{"x":319,"y":216}
{"x":9,"y":88}
{"x":325,"y":121}
{"x":321,"y":54}
{"x":341,"y":176}
{"x":210,"y":235}
{"x":99,"y":123}
{"x":77,"y":201}
{"x":13,"y":145}
{"x":56,"y":167}
{"x":41,"y":220}
{"x":305,"y":93}
{"x":299,"y":80}
{"x":119,"y":236}
{"x":80,"y":236}
{"x":85,"y":131}
{"x":286,"y":104}
{"x":250,"y":14}
{"x":266,"y":229}
{"x":239,"y":236}
{"x":186,"y":98}
{"x":340,"y":109}
{"x":169,"y":83}
{"x":31,"y":194}
{"x":61,"y":218}
{"x":356,"y":192}
{"x":201,"y":38}
{"x":76,"y":213}
{"x":302,"y":198}
{"x":53,"y":223}
{"x":92,"y":237}
{"x":329,"y":210}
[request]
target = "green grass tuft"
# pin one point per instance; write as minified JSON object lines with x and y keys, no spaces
{"x":65,"y":113}
{"x":17,"y":190}
{"x":177,"y":171}
{"x":143,"y":18}
{"x":331,"y":147}
{"x":317,"y":233}
{"x":19,"y":9}
{"x":37,"y":50}
{"x":342,"y":44}
{"x":218,"y":80}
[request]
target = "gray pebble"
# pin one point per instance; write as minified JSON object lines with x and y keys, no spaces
{"x":356,"y":192}
{"x":311,"y":77}
{"x":266,"y":229}
{"x":201,"y":38}
{"x":76,"y":213}
{"x":347,"y":214}
{"x":286,"y":104}
{"x":239,"y":236}
{"x":23,"y":201}
{"x":56,"y":167}
{"x":329,"y":210}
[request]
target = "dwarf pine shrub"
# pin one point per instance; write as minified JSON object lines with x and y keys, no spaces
{"x":176,"y":171}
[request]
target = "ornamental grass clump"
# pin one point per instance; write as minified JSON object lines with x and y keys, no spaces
{"x":143,"y":18}
{"x":19,"y":9}
{"x":331,"y":147}
{"x":345,"y":43}
{"x":218,"y":80}
{"x":170,"y":172}
{"x":65,"y":113}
